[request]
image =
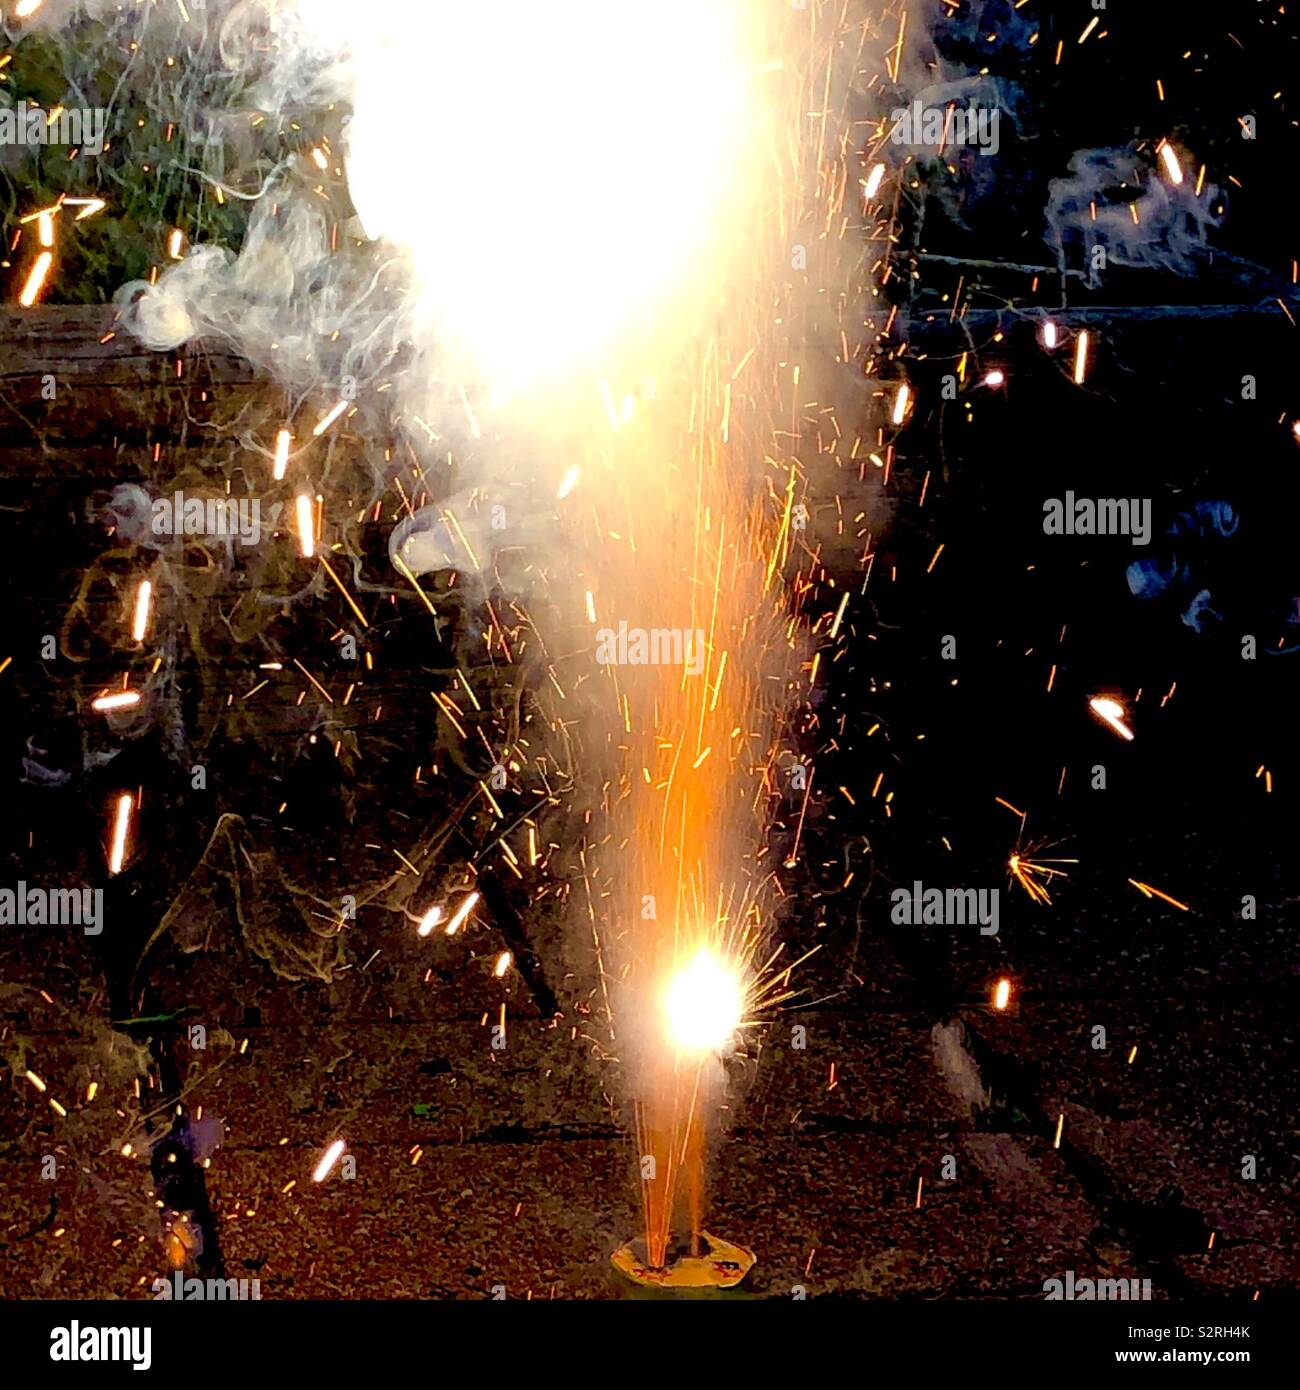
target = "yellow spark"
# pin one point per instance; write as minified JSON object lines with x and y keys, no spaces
{"x":123,"y":699}
{"x":900,"y":403}
{"x":1150,"y":892}
{"x":328,"y":1160}
{"x":327,"y":420}
{"x":1001,"y":993}
{"x":36,"y":279}
{"x":1175,"y":170}
{"x":429,"y":921}
{"x":1081,"y":358}
{"x":282,"y":441}
{"x":140,"y":619}
{"x":839,"y":614}
{"x":1111,"y":712}
{"x":462,"y":912}
{"x":361,"y":617}
{"x":121,"y":822}
{"x":306,"y":525}
{"x":568,"y":483}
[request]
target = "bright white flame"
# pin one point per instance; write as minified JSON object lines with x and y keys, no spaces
{"x":548,"y":168}
{"x":703,"y":1004}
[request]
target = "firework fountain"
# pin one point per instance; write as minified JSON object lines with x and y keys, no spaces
{"x":600,"y":282}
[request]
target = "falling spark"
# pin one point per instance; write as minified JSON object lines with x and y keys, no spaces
{"x":328,"y":1160}
{"x":124,"y":699}
{"x":1111,"y":712}
{"x":36,"y":279}
{"x":1060,"y":1125}
{"x":282,"y":441}
{"x":1001,"y":994}
{"x":503,"y":964}
{"x":120,"y":824}
{"x":994,"y":378}
{"x":1147,"y":890}
{"x":1049,"y":335}
{"x":1171,"y":163}
{"x":306,"y":526}
{"x":900,"y":403}
{"x":462,"y":912}
{"x":874,"y":180}
{"x":140,"y":620}
{"x":569,"y":482}
{"x":327,"y":420}
{"x":429,"y":921}
{"x":1081,"y":359}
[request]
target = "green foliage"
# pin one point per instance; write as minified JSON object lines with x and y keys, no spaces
{"x":145,"y":175}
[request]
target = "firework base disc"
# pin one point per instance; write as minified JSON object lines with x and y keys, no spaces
{"x":721,"y":1265}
